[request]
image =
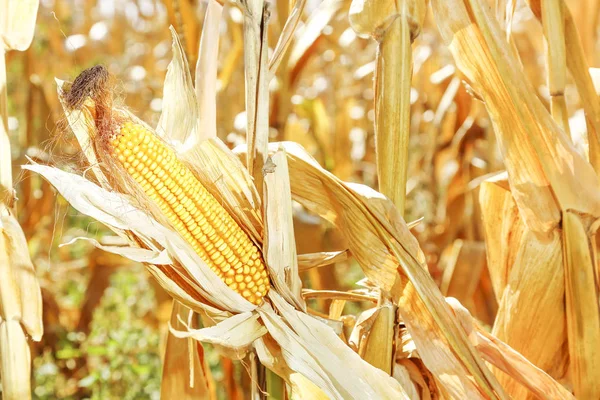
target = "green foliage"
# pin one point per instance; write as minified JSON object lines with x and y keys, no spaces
{"x":118,"y":360}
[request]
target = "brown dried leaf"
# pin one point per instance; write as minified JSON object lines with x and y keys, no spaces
{"x":546,"y":172}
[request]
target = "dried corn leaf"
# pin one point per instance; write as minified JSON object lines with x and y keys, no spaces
{"x":286,"y":37}
{"x":576,"y":62}
{"x":583,"y":315}
{"x":524,"y":265}
{"x":503,"y":228}
{"x":508,"y":360}
{"x":321,"y":259}
{"x":546,"y":172}
{"x":381,"y":242}
{"x":206,"y":72}
{"x":10,"y":299}
{"x":17,"y":24}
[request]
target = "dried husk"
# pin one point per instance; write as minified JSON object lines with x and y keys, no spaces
{"x":363,"y":215}
{"x":206,"y":72}
{"x":280,"y":245}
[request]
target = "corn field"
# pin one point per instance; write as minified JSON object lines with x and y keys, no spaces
{"x":334,"y":199}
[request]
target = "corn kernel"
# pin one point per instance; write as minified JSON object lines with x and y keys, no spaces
{"x":192,"y":210}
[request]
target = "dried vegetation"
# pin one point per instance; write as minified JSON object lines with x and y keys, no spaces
{"x":419,"y":178}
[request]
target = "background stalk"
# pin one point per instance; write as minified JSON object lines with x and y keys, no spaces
{"x":20,"y":296}
{"x":392,"y":108}
{"x":393,"y":75}
{"x":556,"y":61}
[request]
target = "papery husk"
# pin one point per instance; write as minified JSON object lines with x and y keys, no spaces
{"x":523,"y":265}
{"x":280,"y":245}
{"x":382,"y":244}
{"x":312,"y":349}
{"x":256,"y":18}
{"x":234,"y":335}
{"x":115,"y":211}
{"x":179,"y":116}
{"x":206,"y":72}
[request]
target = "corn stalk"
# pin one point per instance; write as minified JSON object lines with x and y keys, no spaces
{"x":20,"y":295}
{"x":394,"y":25}
{"x":556,"y":60}
{"x":538,"y":262}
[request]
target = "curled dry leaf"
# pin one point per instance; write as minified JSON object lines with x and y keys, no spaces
{"x":383,"y":245}
{"x":321,"y":259}
{"x":508,"y":360}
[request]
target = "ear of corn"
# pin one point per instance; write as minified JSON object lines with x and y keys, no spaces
{"x":191,"y":210}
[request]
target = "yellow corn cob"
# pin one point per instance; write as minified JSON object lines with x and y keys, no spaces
{"x":192,"y":210}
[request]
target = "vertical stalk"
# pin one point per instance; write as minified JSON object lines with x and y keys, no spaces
{"x":392,"y":109}
{"x":5,"y":155}
{"x":392,"y":128}
{"x":256,"y":16}
{"x":552,"y":21}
